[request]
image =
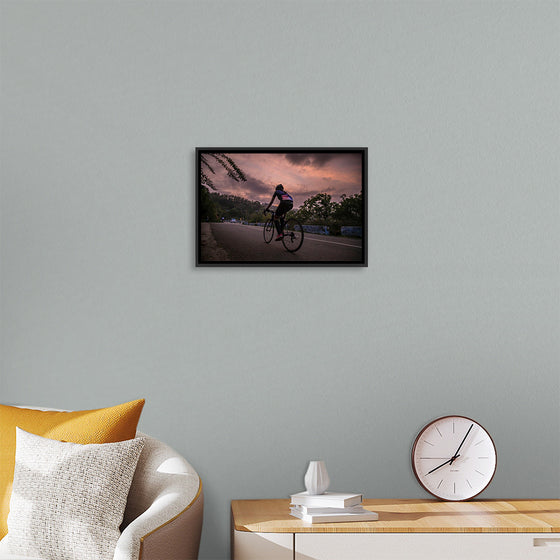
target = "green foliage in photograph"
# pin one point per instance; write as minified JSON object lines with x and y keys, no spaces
{"x":233,"y":171}
{"x":318,"y":209}
{"x":209,"y":211}
{"x":232,"y":207}
{"x":321,"y":210}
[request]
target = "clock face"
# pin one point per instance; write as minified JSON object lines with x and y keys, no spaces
{"x":454,"y":458}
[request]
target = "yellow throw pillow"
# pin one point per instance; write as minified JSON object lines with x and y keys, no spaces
{"x":103,"y":425}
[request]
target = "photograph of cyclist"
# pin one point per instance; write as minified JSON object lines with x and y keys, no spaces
{"x":286,"y":202}
{"x":316,"y":215}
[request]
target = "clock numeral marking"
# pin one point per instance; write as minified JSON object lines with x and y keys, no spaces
{"x":453,"y":426}
{"x":484,"y":457}
{"x":440,"y":483}
{"x":454,"y":492}
{"x":438,"y":432}
{"x":429,"y":443}
{"x":468,"y":482}
{"x":479,"y":442}
{"x":482,"y":474}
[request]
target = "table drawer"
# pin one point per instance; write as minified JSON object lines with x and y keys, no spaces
{"x":262,"y":546}
{"x":427,"y":546}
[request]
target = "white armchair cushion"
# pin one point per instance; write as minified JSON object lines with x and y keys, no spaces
{"x":68,"y":499}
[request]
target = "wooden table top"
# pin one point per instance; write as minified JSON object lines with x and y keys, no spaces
{"x":409,"y":516}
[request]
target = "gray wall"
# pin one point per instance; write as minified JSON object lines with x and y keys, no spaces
{"x":458,"y":311}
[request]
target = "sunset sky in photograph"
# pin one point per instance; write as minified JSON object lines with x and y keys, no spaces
{"x":303,"y":175}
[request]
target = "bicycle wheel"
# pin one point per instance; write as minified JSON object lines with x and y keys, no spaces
{"x":293,"y":235}
{"x":268,"y":230}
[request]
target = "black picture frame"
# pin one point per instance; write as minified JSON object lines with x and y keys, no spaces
{"x":327,"y":185}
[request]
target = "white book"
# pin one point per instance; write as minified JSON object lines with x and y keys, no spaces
{"x":312,"y":510}
{"x":328,"y":499}
{"x":364,"y":515}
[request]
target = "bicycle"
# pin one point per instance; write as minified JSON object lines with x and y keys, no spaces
{"x":293,"y":232}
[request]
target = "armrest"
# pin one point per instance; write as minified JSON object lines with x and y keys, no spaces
{"x":161,"y":533}
{"x":163,"y":517}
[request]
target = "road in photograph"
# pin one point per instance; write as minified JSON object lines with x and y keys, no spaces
{"x":238,"y":242}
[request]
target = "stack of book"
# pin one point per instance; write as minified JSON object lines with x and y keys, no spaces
{"x":330,"y":507}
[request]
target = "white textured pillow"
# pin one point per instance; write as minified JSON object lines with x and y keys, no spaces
{"x":68,"y":499}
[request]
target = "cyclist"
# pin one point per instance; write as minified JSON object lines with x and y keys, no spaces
{"x":286,"y":202}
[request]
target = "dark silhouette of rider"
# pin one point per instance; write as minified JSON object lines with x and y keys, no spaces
{"x":286,"y":202}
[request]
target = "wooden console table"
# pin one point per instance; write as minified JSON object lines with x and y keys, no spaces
{"x":406,"y":529}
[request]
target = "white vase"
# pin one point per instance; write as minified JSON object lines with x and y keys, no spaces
{"x":316,"y":478}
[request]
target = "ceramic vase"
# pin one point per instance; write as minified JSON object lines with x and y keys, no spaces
{"x":316,"y":478}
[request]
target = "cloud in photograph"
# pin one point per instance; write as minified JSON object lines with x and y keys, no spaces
{"x":303,"y":175}
{"x":252,"y":189}
{"x":309,"y":159}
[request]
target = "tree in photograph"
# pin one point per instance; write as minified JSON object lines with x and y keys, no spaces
{"x":232,"y":169}
{"x":316,"y":209}
{"x":320,"y":209}
{"x":208,"y":209}
{"x":230,"y":206}
{"x":348,"y":212}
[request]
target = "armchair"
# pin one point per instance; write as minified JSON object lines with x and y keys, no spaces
{"x":163,"y":516}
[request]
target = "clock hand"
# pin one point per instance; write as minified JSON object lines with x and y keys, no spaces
{"x":443,"y":464}
{"x":461,"y":445}
{"x":456,"y":455}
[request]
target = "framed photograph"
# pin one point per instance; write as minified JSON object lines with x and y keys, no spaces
{"x":281,"y":206}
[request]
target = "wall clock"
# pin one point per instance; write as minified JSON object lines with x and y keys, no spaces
{"x":454,"y":458}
